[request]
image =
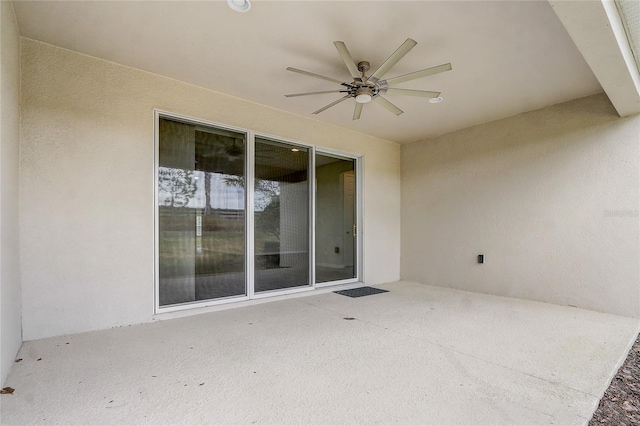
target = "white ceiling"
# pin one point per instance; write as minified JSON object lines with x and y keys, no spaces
{"x":508,"y":57}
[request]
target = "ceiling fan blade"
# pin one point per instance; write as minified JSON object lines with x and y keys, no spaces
{"x":411,"y":92}
{"x":315,"y":93}
{"x":348,"y":60}
{"x":419,"y":74}
{"x":311,"y":74}
{"x":393,"y":59}
{"x":332,"y":104}
{"x":388,"y":105}
{"x":357,"y":111}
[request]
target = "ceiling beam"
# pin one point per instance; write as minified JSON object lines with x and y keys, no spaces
{"x":597,"y":30}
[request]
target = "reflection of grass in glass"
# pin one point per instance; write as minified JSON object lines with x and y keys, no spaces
{"x":222,"y":244}
{"x":262,"y":238}
{"x":221,"y":252}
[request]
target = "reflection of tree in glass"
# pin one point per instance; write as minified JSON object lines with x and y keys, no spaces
{"x":265,"y":190}
{"x":177,"y":186}
{"x":268,"y":221}
{"x":234,"y":181}
{"x":266,"y":203}
{"x":207,"y":193}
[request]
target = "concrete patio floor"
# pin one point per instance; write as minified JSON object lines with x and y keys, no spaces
{"x":418,"y":354}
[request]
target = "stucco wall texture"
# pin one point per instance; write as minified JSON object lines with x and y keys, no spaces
{"x":10,"y":297}
{"x":87,"y":213}
{"x":549,"y":197}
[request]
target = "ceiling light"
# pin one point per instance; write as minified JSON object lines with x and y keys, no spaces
{"x":294,"y":150}
{"x":436,"y":100}
{"x":239,"y":5}
{"x":364,"y":95}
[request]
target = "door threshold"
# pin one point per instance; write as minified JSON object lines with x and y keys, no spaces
{"x":232,"y":304}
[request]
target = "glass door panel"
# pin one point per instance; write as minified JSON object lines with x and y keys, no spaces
{"x":201,"y":204}
{"x":281,"y":218}
{"x":335,"y":219}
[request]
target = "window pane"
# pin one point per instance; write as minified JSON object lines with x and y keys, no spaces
{"x":200,"y":213}
{"x":281,"y":216}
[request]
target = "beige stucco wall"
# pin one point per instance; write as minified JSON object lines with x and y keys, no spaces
{"x":10,"y":298}
{"x":549,"y":197}
{"x":87,"y":185}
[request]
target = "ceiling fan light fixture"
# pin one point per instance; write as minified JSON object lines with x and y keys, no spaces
{"x":364,"y":95}
{"x":239,"y":5}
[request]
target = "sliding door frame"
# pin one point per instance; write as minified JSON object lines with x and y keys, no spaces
{"x":310,"y":180}
{"x":250,"y":215}
{"x":157,"y":115}
{"x":359,"y":243}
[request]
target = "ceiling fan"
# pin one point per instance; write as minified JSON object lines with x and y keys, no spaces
{"x":365,"y":88}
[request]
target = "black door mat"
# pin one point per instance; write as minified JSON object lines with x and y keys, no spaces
{"x":361,"y":291}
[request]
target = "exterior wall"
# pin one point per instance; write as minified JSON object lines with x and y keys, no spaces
{"x":87,"y":185}
{"x":549,"y":197}
{"x":10,"y":297}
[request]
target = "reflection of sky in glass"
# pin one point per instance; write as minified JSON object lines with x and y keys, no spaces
{"x":222,"y":195}
{"x":227,"y":192}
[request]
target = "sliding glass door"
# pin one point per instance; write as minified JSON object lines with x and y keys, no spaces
{"x":241,"y":216}
{"x":281,"y":212}
{"x":336,"y":218}
{"x":201,"y":210}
